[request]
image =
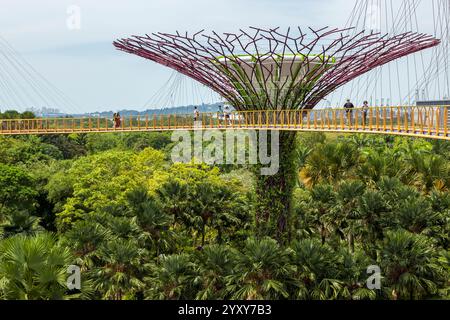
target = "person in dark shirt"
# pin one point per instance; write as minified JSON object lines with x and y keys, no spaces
{"x":349,"y":110}
{"x":348,"y":105}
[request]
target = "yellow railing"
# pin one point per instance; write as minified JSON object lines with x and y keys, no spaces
{"x":431,"y":122}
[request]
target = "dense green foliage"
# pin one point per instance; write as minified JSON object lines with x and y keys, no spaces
{"x":141,"y":227}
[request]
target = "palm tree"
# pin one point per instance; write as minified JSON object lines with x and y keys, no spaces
{"x":19,"y":222}
{"x":312,"y":261}
{"x":361,"y":140}
{"x":324,"y":274}
{"x":441,"y":147}
{"x":330,"y":162}
{"x":408,"y":208}
{"x":346,"y":209}
{"x":80,"y":139}
{"x":445,"y":261}
{"x":118,"y":275}
{"x":84,"y":239}
{"x":173,"y":195}
{"x":429,"y":171}
{"x":153,"y":221}
{"x":376,"y":215}
{"x":260,"y":271}
{"x":122,"y":227}
{"x":403,"y":193}
{"x":389,"y":188}
{"x":216,"y":206}
{"x":214,"y":264}
{"x":415,"y":214}
{"x":436,"y":173}
{"x":410,"y":265}
{"x":353,"y":272}
{"x":171,"y":278}
{"x":440,"y":203}
{"x":302,"y":155}
{"x":377,"y":164}
{"x":34,"y":268}
{"x":322,"y":202}
{"x":315,"y":275}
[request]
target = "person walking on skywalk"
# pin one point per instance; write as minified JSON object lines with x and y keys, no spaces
{"x":117,"y":120}
{"x":227,"y":115}
{"x":349,"y":110}
{"x":365,"y":111}
{"x":196,"y":114}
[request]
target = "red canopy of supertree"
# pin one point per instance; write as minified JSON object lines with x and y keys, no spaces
{"x":269,"y":69}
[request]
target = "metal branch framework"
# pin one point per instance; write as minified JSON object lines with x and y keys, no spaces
{"x":259,"y":69}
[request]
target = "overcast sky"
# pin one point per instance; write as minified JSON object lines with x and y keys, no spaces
{"x":86,"y":67}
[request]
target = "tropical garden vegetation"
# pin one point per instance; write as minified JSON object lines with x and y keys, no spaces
{"x":142,"y":227}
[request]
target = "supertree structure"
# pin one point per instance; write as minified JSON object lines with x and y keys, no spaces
{"x":259,"y":69}
{"x":266,"y":69}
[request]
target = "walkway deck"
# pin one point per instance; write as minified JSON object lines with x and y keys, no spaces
{"x":426,"y":122}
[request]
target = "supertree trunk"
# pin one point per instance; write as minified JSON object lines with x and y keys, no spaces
{"x":274,"y":192}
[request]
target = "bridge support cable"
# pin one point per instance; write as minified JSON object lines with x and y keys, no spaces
{"x":43,"y":83}
{"x":19,"y":75}
{"x":424,"y":77}
{"x":179,"y":90}
{"x":437,"y":71}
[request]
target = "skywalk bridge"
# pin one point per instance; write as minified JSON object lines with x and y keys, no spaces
{"x":413,"y":121}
